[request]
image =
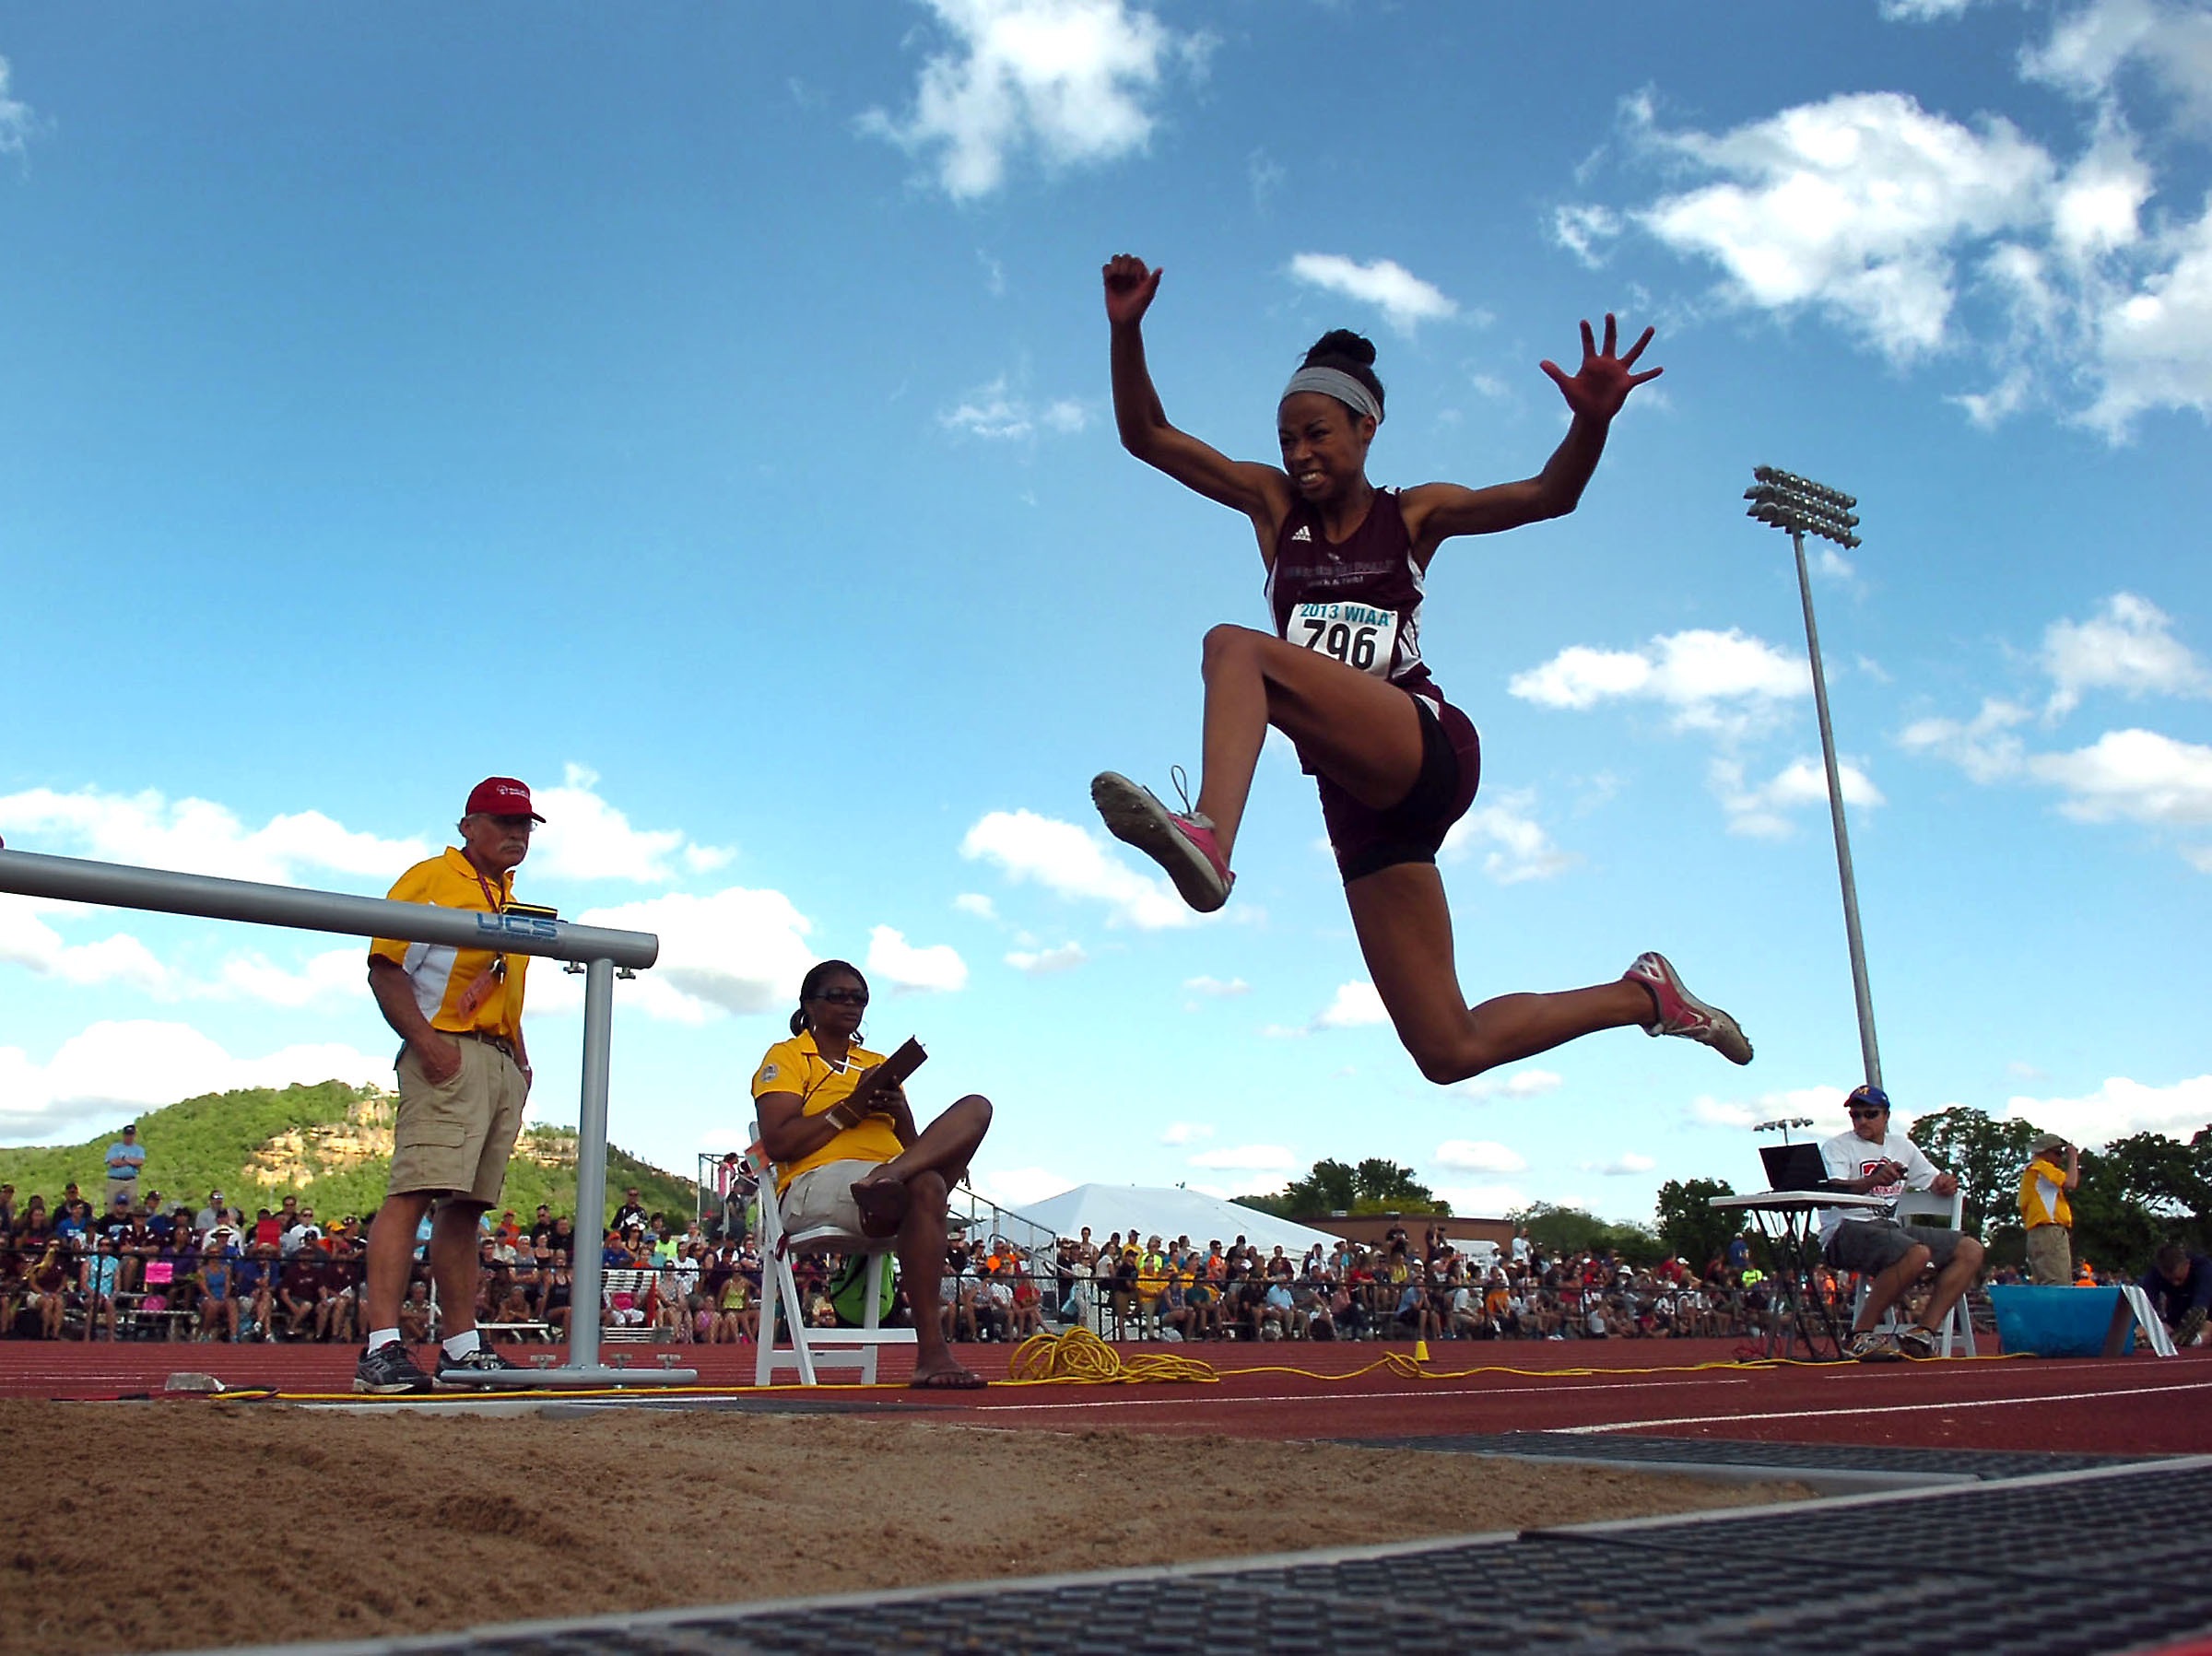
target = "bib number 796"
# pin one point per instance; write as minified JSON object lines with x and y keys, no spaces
{"x":1358,"y":635}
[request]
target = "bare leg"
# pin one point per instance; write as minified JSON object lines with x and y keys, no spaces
{"x":1885,"y":1289}
{"x":1951,"y":1282}
{"x":390,"y":1255}
{"x":921,"y":1269}
{"x":945,"y":1146}
{"x":1405,"y":930}
{"x":1365,"y":733}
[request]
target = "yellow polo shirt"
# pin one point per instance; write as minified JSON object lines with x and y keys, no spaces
{"x":798,"y":1067}
{"x":2043,"y":1195}
{"x":458,"y":988}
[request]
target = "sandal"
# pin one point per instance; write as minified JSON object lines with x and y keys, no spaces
{"x":882,"y":1205}
{"x":947,"y":1379}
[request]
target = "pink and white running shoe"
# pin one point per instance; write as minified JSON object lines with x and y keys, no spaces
{"x":1180,"y":842}
{"x":1681,"y":1013}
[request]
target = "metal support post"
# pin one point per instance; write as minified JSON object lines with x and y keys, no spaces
{"x":1868,"y":1051}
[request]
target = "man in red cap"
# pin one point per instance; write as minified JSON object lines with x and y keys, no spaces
{"x":464,"y":1077}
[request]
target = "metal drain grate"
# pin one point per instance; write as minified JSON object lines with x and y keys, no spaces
{"x":1770,"y":1581}
{"x":1731,"y":1451}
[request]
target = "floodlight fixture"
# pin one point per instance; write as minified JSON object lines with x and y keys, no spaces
{"x":1786,"y":501}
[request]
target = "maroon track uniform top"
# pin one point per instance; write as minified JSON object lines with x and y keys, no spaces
{"x":1358,"y":602}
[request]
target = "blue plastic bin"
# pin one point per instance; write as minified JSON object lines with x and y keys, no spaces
{"x":2056,"y":1322}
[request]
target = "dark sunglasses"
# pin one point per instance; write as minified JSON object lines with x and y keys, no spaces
{"x":1868,"y":1115}
{"x":844,"y":997}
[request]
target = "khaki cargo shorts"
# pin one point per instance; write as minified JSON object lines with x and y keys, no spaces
{"x":454,"y":1137}
{"x":823,"y":1197}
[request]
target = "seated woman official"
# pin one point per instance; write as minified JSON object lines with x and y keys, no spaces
{"x":848,"y":1153}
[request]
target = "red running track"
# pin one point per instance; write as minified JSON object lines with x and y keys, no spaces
{"x":2126,"y":1405}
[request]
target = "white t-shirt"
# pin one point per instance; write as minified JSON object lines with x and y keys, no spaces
{"x":1847,"y":1156}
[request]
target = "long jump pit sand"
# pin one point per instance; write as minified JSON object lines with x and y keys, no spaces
{"x":190,"y":1525}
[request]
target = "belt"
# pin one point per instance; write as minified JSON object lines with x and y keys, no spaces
{"x":489,"y":1040}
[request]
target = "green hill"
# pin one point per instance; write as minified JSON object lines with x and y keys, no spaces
{"x":330,"y":1144}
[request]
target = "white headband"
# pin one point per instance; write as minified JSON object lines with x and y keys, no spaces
{"x":1336,"y":383}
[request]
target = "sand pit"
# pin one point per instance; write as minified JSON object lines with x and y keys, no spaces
{"x":137,"y":1527}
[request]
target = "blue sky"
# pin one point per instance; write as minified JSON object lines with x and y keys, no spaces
{"x":702,"y":413}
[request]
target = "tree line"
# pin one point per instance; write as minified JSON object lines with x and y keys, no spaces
{"x":2136,"y":1193}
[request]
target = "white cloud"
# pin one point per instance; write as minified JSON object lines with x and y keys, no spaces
{"x":1215,"y":987}
{"x":1071,"y":80}
{"x":1719,"y":681}
{"x":1355,"y":1004}
{"x":584,"y":838}
{"x":1483,"y":1200}
{"x":733,"y":950}
{"x":1760,"y":810}
{"x":1017,"y":1188}
{"x":1403,"y":299}
{"x":2128,"y":646}
{"x":1621,"y":1166}
{"x":29,"y":942}
{"x":16,"y":121}
{"x":1478,"y":1155}
{"x":1921,"y":11}
{"x":1247,"y":1158}
{"x":995,"y":413}
{"x":977,"y":904}
{"x":1822,"y":1105}
{"x":126,"y":1065}
{"x":1981,"y":747}
{"x":196,"y":835}
{"x":2120,"y":1108}
{"x":333,"y":974}
{"x":1514,"y":1083}
{"x":904,"y":966}
{"x":2150,"y":340}
{"x":1040,"y":962}
{"x":1076,"y":864}
{"x":1919,"y":233}
{"x":1851,"y":206}
{"x":2132,"y":775}
{"x":2087,"y":49}
{"x":1520,"y":849}
{"x":1581,"y":229}
{"x":1184,"y":1133}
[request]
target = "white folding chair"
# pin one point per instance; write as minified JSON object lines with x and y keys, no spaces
{"x":1916,"y":1208}
{"x":812,"y":1348}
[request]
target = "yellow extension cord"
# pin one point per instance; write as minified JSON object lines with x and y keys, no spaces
{"x":1078,"y":1357}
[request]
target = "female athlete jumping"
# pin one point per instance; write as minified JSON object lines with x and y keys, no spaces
{"x":1342,"y":677}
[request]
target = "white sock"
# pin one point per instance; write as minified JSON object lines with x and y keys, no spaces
{"x":462,"y":1344}
{"x":382,"y":1336}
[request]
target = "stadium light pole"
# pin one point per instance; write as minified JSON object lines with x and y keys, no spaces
{"x":1784,"y":500}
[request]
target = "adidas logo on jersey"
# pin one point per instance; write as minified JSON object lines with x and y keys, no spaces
{"x":1304,"y":533}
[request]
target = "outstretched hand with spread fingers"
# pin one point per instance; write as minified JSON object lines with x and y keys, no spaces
{"x":1606,"y":380}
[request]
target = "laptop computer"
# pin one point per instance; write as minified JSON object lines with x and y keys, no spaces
{"x":1796,"y":1167}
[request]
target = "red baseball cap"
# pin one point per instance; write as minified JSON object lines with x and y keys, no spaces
{"x":500,"y":796}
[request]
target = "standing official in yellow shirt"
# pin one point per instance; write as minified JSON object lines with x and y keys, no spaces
{"x":463,"y":1078}
{"x":2045,"y":1211}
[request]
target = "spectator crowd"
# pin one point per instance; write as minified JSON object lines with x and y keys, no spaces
{"x":155,"y":1268}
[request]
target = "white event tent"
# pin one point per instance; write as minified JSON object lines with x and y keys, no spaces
{"x":1170,"y":1213}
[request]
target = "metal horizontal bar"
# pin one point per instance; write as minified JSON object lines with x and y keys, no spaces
{"x":117,"y":885}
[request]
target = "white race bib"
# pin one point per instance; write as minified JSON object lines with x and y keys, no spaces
{"x":1358,"y":635}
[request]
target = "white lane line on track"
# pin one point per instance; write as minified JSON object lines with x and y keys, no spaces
{"x":1186,"y":1401}
{"x":1895,"y":1408}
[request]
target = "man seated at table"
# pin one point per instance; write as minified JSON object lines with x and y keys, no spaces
{"x":1871,"y":1160}
{"x":2180,"y":1287}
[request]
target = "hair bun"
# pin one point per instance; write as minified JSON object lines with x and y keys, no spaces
{"x":1344,"y":345}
